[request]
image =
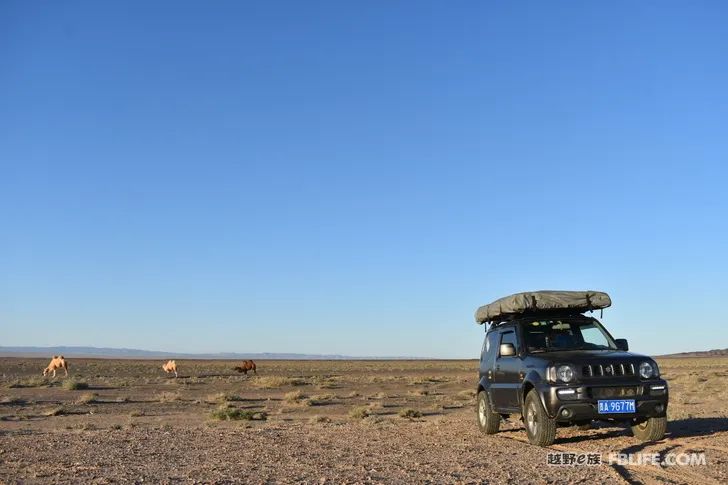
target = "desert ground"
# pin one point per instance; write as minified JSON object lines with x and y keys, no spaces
{"x":126,"y":421}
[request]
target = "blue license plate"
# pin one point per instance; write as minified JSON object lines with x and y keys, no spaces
{"x":616,"y":406}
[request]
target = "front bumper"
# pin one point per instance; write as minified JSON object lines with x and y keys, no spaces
{"x":578,"y":402}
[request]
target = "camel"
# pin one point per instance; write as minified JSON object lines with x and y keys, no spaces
{"x":170,"y":366}
{"x":57,"y":362}
{"x":247,"y":365}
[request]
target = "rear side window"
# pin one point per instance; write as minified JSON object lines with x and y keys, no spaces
{"x":509,"y":337}
{"x":490,"y":345}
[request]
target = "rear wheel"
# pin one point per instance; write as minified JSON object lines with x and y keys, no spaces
{"x":488,"y":421}
{"x":541,"y":429}
{"x":653,"y":429}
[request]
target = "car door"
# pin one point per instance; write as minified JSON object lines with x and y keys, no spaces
{"x":507,"y":373}
{"x":487,"y":358}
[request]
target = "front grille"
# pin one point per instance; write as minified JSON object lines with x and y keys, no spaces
{"x":615,"y":369}
{"x":607,"y":392}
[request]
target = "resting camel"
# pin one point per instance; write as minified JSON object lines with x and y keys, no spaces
{"x":57,"y":362}
{"x":247,"y":365}
{"x":170,"y":366}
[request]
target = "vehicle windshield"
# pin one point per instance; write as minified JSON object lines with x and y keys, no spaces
{"x":569,"y":333}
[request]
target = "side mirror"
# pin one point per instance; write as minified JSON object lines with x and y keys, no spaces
{"x":507,"y":350}
{"x":622,"y":344}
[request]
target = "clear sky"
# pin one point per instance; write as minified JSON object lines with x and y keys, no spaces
{"x":358,"y":177}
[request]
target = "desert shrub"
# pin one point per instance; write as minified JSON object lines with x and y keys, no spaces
{"x":31,"y":382}
{"x":74,"y":385}
{"x":320,"y":399}
{"x":417,"y":381}
{"x":168,"y":396}
{"x":88,"y":398}
{"x":419,"y":392}
{"x":224,"y":413}
{"x":409,"y":413}
{"x":273,"y":382}
{"x":224,"y":397}
{"x":11,"y":400}
{"x":58,"y":411}
{"x":136,"y":414}
{"x":359,"y":412}
{"x":320,"y":419}
{"x":293,"y":397}
{"x":465,"y":395}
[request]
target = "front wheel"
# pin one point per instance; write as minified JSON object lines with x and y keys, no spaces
{"x":488,"y":421}
{"x":653,"y":429}
{"x":541,"y":429}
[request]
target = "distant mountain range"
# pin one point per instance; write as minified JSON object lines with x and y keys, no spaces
{"x":105,"y":352}
{"x":701,"y":353}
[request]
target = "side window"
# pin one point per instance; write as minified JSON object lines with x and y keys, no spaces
{"x":509,"y":337}
{"x":490,"y":345}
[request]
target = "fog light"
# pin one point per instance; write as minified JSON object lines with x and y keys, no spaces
{"x":658,"y":389}
{"x":566,"y":393}
{"x":565,"y":413}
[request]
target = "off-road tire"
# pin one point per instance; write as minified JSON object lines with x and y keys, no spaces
{"x":488,"y":421}
{"x":541,"y":429}
{"x":653,"y":429}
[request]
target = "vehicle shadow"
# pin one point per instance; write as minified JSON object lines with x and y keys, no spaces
{"x":693,"y":427}
{"x":612,"y":433}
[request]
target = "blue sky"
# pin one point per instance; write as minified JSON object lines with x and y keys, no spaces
{"x":332,"y":177}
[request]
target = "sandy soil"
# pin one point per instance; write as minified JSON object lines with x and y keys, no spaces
{"x":319,"y":422}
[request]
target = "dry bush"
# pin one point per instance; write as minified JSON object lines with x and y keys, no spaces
{"x":11,"y":400}
{"x":225,"y":413}
{"x":294,"y":397}
{"x":57,"y":411}
{"x":88,"y":398}
{"x":418,"y":381}
{"x":273,"y":382}
{"x":31,"y":382}
{"x":409,"y":413}
{"x":320,"y":419}
{"x":419,"y":392}
{"x":352,"y":395}
{"x":359,"y":412}
{"x":168,"y":396}
{"x":465,"y":395}
{"x":320,"y":399}
{"x":74,"y":385}
{"x":224,"y":397}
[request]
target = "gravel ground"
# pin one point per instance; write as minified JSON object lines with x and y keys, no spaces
{"x":133,"y":424}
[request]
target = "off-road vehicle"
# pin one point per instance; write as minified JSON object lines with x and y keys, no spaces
{"x":546,"y":360}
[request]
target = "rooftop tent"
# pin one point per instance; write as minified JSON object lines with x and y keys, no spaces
{"x":542,"y":301}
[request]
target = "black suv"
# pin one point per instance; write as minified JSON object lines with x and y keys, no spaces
{"x":563,"y":368}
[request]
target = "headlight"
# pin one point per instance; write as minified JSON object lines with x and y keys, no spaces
{"x":646,"y":370}
{"x":565,"y":373}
